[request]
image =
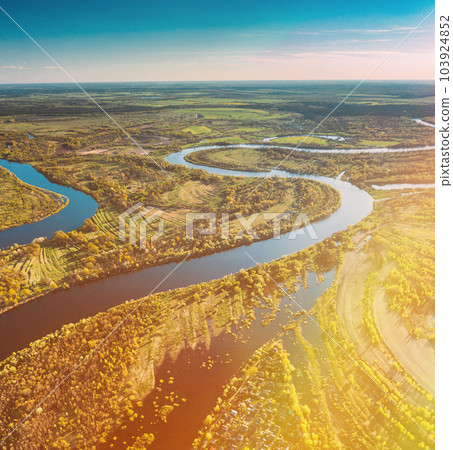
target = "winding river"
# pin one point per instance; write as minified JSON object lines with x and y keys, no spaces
{"x":306,"y":150}
{"x":28,"y":322}
{"x":22,"y":325}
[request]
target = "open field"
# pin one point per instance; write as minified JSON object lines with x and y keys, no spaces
{"x":417,"y":355}
{"x":165,"y":117}
{"x":302,"y":141}
{"x":197,"y":130}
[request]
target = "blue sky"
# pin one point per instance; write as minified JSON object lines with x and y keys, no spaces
{"x":215,"y":40}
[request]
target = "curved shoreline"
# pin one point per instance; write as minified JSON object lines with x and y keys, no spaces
{"x":313,"y":150}
{"x":90,"y":298}
{"x":79,"y":206}
{"x":62,"y":205}
{"x":128,"y":270}
{"x":24,"y":324}
{"x":334,"y":138}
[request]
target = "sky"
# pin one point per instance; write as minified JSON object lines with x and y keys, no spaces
{"x":183,"y":40}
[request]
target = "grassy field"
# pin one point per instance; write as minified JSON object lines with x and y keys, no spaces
{"x":22,"y":203}
{"x":229,"y":157}
{"x":365,"y":143}
{"x":236,"y":114}
{"x":198,"y":130}
{"x":168,"y":118}
{"x":226,"y":140}
{"x":307,"y":140}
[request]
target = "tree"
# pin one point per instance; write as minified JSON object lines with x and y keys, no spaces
{"x":89,"y":226}
{"x":33,"y":250}
{"x":326,"y":259}
{"x":61,"y":238}
{"x":93,"y":249}
{"x":208,"y":420}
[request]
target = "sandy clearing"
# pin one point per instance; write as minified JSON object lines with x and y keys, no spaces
{"x":351,"y":284}
{"x":417,"y":355}
{"x":96,"y":151}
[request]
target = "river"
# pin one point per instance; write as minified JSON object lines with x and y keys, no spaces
{"x":80,"y":207}
{"x":22,"y":325}
{"x":422,"y":122}
{"x":314,"y":150}
{"x":28,"y":322}
{"x":201,"y":387}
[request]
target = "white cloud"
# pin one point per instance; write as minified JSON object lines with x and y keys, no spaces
{"x":308,"y":33}
{"x":13,"y":67}
{"x":332,"y":55}
{"x":397,"y":30}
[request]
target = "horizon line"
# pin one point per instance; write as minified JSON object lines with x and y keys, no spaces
{"x":221,"y":81}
